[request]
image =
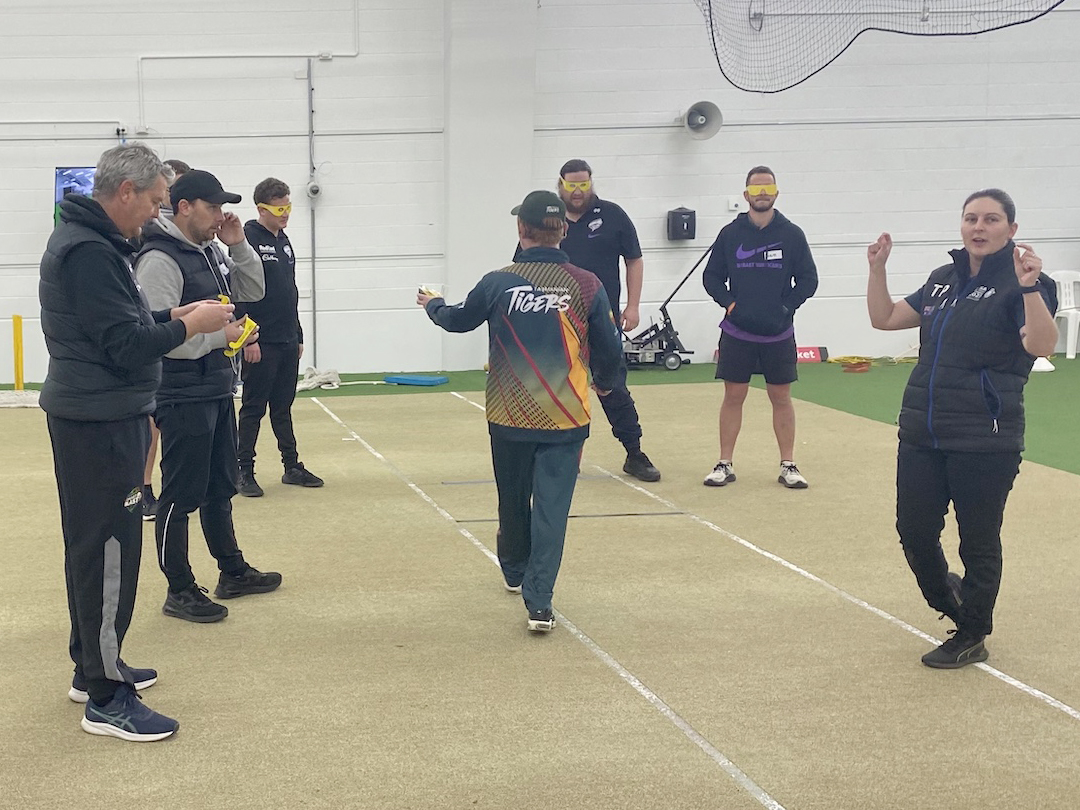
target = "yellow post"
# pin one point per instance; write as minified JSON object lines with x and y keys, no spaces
{"x":16,"y":326}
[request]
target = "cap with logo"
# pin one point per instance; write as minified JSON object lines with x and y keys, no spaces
{"x":538,"y":206}
{"x":200,"y":185}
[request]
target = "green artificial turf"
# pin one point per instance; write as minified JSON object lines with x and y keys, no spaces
{"x":1052,"y":437}
{"x":1053,"y":428}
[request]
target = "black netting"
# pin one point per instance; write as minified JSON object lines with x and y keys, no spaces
{"x":766,"y":46}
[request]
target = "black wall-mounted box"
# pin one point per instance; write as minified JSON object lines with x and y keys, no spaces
{"x":681,"y":224}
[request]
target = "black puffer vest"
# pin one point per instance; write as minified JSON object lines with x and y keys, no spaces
{"x":967,"y":391}
{"x":83,"y":382}
{"x":212,"y":376}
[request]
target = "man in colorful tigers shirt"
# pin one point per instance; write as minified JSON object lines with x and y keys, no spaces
{"x":549,"y":325}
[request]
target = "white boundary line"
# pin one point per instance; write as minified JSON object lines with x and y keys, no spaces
{"x":729,"y":767}
{"x":1038,"y":694}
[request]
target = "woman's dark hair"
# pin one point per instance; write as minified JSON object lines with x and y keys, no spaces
{"x":999,"y":195}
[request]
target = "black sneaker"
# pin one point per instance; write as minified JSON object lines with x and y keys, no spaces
{"x":959,"y":651}
{"x":247,"y":486}
{"x":252,"y":580}
{"x":638,"y":465}
{"x":955,"y":586}
{"x":126,"y":717}
{"x":149,"y":503}
{"x":192,"y":605}
{"x":301,"y":477}
{"x":142,"y":678}
{"x":542,"y":621}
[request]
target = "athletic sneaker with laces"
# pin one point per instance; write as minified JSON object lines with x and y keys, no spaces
{"x":542,"y":621}
{"x":638,"y":465}
{"x":250,"y":580}
{"x":722,"y":474}
{"x":142,"y":678}
{"x":193,"y":605}
{"x":247,"y":486}
{"x":790,"y":476}
{"x":961,"y":649}
{"x":126,"y":717}
{"x":300,"y":476}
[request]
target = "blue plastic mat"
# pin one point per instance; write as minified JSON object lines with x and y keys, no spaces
{"x":414,"y":379}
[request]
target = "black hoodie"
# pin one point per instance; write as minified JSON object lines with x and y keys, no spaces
{"x":276,"y":313}
{"x":105,"y":345}
{"x":767,"y":273}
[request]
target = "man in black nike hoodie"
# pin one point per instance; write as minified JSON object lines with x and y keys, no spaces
{"x":760,"y":272}
{"x":105,"y":348}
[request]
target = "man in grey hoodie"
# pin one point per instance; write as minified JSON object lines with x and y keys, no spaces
{"x":180,"y":262}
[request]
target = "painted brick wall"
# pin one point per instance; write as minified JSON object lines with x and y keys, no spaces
{"x":892,"y":136}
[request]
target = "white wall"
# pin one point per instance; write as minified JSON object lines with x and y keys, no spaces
{"x":433,"y":117}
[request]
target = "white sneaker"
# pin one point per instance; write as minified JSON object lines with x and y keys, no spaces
{"x":723,"y":473}
{"x":541,"y":621}
{"x":790,"y":476}
{"x":511,"y":588}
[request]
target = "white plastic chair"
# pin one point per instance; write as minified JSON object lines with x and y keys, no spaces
{"x":1068,"y":307}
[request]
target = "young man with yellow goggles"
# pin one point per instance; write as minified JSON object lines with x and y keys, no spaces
{"x":271,"y":366}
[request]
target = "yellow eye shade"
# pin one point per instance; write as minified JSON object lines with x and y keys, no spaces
{"x":276,"y":210}
{"x":583,"y":185}
{"x":757,"y":191}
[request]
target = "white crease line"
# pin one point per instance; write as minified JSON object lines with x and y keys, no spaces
{"x":1001,"y":676}
{"x":744,"y":781}
{"x":1038,"y":694}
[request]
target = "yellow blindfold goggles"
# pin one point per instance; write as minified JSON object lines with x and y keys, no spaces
{"x":582,"y":185}
{"x":249,"y":327}
{"x":276,"y":210}
{"x":759,"y":191}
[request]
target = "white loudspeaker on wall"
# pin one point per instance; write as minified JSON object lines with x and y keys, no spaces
{"x":702,"y":120}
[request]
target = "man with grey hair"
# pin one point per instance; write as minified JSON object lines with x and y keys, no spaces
{"x":105,"y":348}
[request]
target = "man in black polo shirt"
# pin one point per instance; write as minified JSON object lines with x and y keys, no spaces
{"x":272,"y":364}
{"x":598,"y":233}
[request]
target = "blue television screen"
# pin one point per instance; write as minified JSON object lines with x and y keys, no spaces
{"x":71,"y":180}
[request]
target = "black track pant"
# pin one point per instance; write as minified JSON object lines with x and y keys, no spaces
{"x":198,"y":471}
{"x":978,"y":485}
{"x":99,"y":472}
{"x":622,"y":414}
{"x":271,"y":381}
{"x":536,"y":485}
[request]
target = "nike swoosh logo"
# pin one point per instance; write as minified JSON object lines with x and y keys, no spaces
{"x":741,"y":253}
{"x":593,"y":235}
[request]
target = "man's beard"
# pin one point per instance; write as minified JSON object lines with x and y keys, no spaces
{"x":761,"y":207}
{"x":581,"y":207}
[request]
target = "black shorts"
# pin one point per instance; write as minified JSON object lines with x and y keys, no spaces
{"x":740,"y":359}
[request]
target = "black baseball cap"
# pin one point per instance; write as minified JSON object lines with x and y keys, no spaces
{"x":200,"y":185}
{"x":538,"y":206}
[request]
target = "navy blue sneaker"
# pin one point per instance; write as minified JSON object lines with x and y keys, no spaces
{"x":142,"y":678}
{"x":126,"y":717}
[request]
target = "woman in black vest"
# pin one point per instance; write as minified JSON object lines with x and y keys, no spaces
{"x":962,"y":419}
